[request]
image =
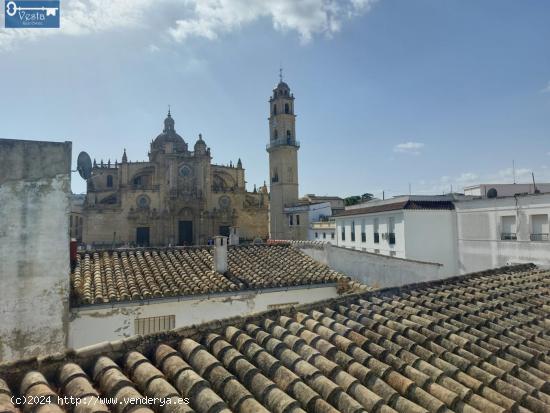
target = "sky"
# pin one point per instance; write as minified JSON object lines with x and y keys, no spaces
{"x":390,"y":94}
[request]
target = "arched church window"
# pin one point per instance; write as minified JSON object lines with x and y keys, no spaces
{"x":288,"y":136}
{"x":287,"y":109}
{"x":274,"y":109}
{"x":109,"y":181}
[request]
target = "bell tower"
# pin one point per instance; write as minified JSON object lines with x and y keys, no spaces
{"x":283,"y":159}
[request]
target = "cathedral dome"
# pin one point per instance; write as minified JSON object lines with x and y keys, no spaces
{"x":200,"y":146}
{"x":169,"y":135}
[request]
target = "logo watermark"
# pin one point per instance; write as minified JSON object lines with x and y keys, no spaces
{"x":28,"y":14}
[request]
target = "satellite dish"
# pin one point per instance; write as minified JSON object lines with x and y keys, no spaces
{"x":492,"y":193}
{"x":84,"y":165}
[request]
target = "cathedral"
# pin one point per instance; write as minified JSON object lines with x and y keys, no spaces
{"x":177,"y":197}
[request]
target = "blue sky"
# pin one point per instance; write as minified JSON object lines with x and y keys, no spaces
{"x":430,"y":93}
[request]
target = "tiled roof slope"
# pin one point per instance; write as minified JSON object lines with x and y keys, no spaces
{"x":137,"y":274}
{"x":476,"y":343}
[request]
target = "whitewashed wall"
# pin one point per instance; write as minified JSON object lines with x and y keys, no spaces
{"x":93,"y":324}
{"x":34,"y":247}
{"x":375,"y":270}
{"x":479,"y":226}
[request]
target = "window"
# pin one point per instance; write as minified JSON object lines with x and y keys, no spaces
{"x":332,"y":236}
{"x":291,"y":220}
{"x":508,"y":228}
{"x":137,"y":180}
{"x":297,"y":219}
{"x":150,"y":325}
{"x":391,"y":230}
{"x":363,"y":232}
{"x":324,"y":235}
{"x":275,"y":134}
{"x":539,"y":228}
{"x":109,"y":181}
{"x":343,"y":228}
{"x":376,"y":233}
{"x":316,"y":235}
{"x":288,"y":135}
{"x":274,"y":109}
{"x":352,"y":231}
{"x":287,"y":110}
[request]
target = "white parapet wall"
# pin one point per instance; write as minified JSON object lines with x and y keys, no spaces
{"x":96,"y":323}
{"x":35,"y":185}
{"x":374,"y":270}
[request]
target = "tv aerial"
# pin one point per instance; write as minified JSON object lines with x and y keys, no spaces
{"x":84,"y":165}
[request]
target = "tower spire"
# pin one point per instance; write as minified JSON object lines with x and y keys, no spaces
{"x":281,"y":73}
{"x":169,"y":111}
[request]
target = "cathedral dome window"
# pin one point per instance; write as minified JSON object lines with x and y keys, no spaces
{"x":143,"y":201}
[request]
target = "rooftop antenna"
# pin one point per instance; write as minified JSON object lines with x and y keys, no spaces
{"x":535,"y":190}
{"x":84,"y":165}
{"x":514,"y":169}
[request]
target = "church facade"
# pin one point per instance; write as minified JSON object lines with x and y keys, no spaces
{"x":177,"y":197}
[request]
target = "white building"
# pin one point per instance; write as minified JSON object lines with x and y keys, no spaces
{"x":324,"y":230}
{"x":503,"y":190}
{"x":414,"y":227}
{"x":498,"y":231}
{"x":301,"y":215}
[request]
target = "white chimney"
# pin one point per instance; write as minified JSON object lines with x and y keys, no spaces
{"x":233,"y":235}
{"x":220,"y":254}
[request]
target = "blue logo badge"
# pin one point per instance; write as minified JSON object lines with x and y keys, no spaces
{"x":30,"y":14}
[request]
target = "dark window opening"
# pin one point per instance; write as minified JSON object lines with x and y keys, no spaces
{"x":291,"y":220}
{"x":287,"y":109}
{"x":391,"y":237}
{"x":297,"y":219}
{"x":274,"y":109}
{"x":376,"y":238}
{"x":142,"y":236}
{"x":109,"y":181}
{"x":137,"y":180}
{"x":363,"y":237}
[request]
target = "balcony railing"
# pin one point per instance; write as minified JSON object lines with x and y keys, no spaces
{"x":283,"y":142}
{"x":539,"y":237}
{"x":508,"y":236}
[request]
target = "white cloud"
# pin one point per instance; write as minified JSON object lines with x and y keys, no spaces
{"x":212,"y":18}
{"x":467,"y":178}
{"x":208,"y":19}
{"x":409,"y":147}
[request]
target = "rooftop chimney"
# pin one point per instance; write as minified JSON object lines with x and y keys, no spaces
{"x":220,"y":254}
{"x":233,"y":235}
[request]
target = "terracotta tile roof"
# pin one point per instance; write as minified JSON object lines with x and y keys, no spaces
{"x":138,"y":274}
{"x":395,"y":206}
{"x":477,"y":343}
